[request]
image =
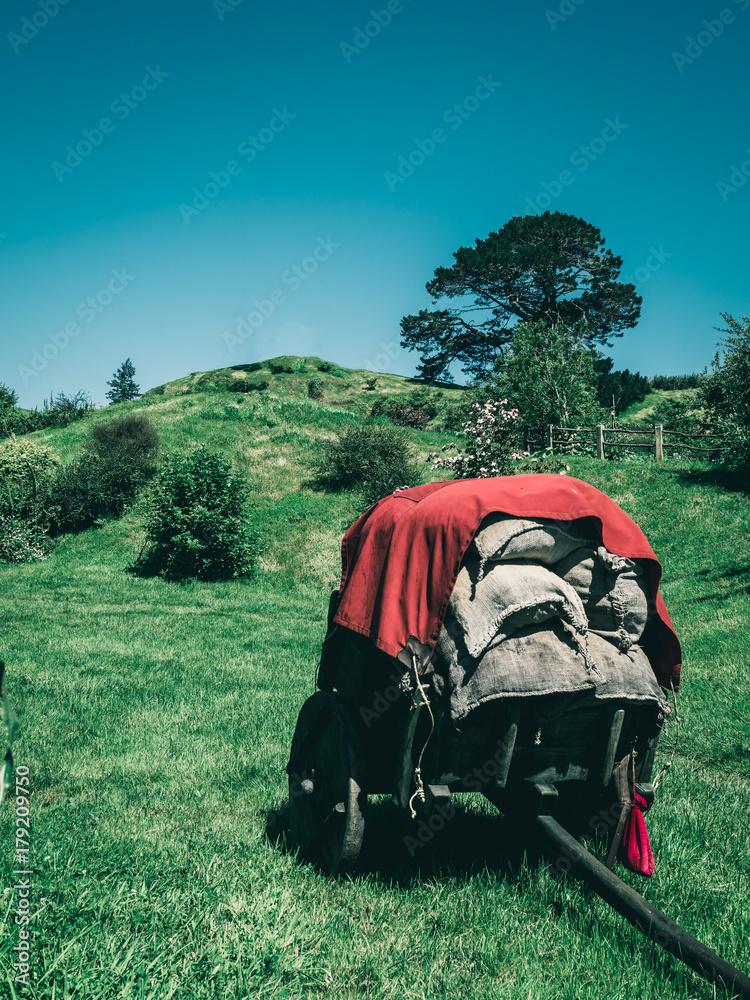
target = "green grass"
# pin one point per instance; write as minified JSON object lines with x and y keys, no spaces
{"x":643,"y":411}
{"x":157,"y":720}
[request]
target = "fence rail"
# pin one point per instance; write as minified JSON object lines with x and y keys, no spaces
{"x":603,"y":438}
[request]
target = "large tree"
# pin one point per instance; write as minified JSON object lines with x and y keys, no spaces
{"x":551,"y":268}
{"x":548,"y":374}
{"x":123,"y":385}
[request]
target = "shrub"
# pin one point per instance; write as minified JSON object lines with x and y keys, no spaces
{"x":73,"y":406}
{"x":58,"y":412}
{"x":423,"y":398}
{"x":197,"y":521}
{"x":370,"y":384}
{"x":118,"y":459}
{"x":677,"y":414}
{"x":409,"y":416}
{"x":374,"y":459}
{"x":492,"y":431}
{"x":330,"y":368}
{"x":210,"y":382}
{"x":27,"y":471}
{"x":415,"y":410}
{"x":726,"y":391}
{"x":132,"y":440}
{"x":315,"y":388}
{"x":21,"y":541}
{"x":677,"y":381}
{"x":254,"y":384}
{"x":282,"y":366}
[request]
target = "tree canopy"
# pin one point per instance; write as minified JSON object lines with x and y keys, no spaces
{"x":550,"y":268}
{"x":8,"y":396}
{"x":123,"y":385}
{"x":548,"y":374}
{"x":726,"y":390}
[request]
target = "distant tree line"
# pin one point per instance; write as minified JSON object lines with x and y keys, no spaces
{"x":677,"y":381}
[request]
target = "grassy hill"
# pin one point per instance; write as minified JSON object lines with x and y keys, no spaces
{"x":157,"y":720}
{"x":646,"y":411}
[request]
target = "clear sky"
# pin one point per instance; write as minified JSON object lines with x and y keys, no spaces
{"x":197,"y":184}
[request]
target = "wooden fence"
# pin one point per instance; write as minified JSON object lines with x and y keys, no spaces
{"x":607,"y":441}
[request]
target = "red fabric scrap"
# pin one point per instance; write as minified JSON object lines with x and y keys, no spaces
{"x":401,"y":558}
{"x":635,"y":851}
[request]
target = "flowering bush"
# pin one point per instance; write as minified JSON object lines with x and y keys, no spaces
{"x":492,"y":429}
{"x":21,"y":541}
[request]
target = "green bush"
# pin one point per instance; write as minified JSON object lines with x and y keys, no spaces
{"x":27,"y":472}
{"x":197,"y":522}
{"x":223,"y":382}
{"x":425,"y":399}
{"x":118,"y":459}
{"x":677,"y":381}
{"x":315,"y":387}
{"x":132,"y":440}
{"x":677,"y":414}
{"x":283,"y":365}
{"x":725,"y":392}
{"x":254,"y":366}
{"x":22,"y":541}
{"x":330,"y":369}
{"x":254,"y":384}
{"x":374,"y":459}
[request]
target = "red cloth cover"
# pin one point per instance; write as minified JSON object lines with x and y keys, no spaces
{"x":401,"y":558}
{"x":635,"y":851}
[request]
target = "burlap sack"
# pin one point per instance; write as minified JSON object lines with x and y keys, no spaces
{"x":502,"y":537}
{"x":509,"y":597}
{"x":613,"y":591}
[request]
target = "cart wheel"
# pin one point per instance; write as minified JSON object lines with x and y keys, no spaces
{"x":326,"y":779}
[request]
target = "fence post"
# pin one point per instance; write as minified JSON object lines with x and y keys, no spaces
{"x":659,"y":442}
{"x":600,"y":440}
{"x":550,"y":440}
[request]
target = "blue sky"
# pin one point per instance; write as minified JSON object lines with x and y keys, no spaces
{"x":200,"y":184}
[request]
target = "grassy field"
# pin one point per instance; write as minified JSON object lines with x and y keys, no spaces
{"x":157,"y":720}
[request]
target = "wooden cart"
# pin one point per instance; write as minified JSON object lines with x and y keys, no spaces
{"x":567,"y":765}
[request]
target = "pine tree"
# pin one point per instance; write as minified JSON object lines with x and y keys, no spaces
{"x":123,"y":384}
